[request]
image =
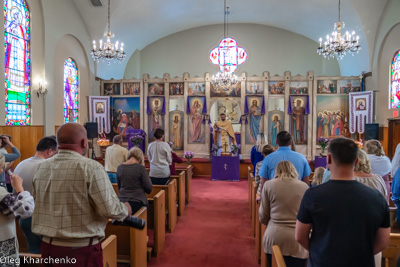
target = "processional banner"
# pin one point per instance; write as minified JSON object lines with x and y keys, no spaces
{"x":99,"y":111}
{"x":361,"y":108}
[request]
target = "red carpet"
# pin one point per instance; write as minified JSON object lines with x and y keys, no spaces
{"x":215,"y":229}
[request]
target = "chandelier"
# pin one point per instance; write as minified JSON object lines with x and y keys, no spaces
{"x":108,"y":51}
{"x":228,"y":55}
{"x":339,"y":44}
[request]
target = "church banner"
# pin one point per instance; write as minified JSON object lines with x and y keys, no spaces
{"x":99,"y":111}
{"x":302,"y":100}
{"x":361,"y":108}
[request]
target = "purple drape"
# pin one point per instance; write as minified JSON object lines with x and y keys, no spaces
{"x":163,"y":104}
{"x":203,"y":100}
{"x":306,"y":105}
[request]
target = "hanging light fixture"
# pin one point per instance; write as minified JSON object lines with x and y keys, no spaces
{"x":108,"y":51}
{"x":228,"y":56}
{"x":339,"y":44}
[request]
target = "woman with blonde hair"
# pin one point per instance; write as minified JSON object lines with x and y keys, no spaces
{"x":380,"y":164}
{"x":318,"y":175}
{"x":280,"y":201}
{"x":133,"y":180}
{"x":256,"y":152}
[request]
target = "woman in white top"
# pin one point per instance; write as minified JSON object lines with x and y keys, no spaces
{"x":159,"y":154}
{"x":380,"y":164}
{"x":362,"y":174}
{"x":396,"y":160}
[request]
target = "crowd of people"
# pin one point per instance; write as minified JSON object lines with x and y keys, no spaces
{"x":345,"y":207}
{"x":64,"y":199}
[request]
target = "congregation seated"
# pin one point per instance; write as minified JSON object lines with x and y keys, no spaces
{"x":12,"y":206}
{"x":159,"y":155}
{"x":266,"y":150}
{"x":380,"y":164}
{"x":280,"y":201}
{"x":133,"y":180}
{"x":318,"y":175}
{"x":115,"y":156}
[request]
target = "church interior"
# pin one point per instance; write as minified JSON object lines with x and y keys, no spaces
{"x":179,"y":65}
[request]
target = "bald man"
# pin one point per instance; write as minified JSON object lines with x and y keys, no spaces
{"x":74,"y":199}
{"x":115,"y":156}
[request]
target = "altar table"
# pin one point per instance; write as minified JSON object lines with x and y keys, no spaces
{"x":225,"y":168}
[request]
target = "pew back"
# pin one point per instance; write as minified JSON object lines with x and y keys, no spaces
{"x":156,"y":219}
{"x":277,"y":258}
{"x":392,"y":252}
{"x":180,"y":180}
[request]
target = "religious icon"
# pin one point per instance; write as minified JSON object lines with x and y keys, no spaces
{"x":131,"y":88}
{"x":276,"y":88}
{"x":125,"y":112}
{"x":176,"y":88}
{"x":275,"y":125}
{"x":156,"y":118}
{"x":331,"y":118}
{"x":298,"y":122}
{"x":327,"y":87}
{"x":254,"y":118}
{"x":360,"y":104}
{"x":298,"y":88}
{"x":176,"y":129}
{"x":254,"y":88}
{"x":195,"y":118}
{"x":156,"y":89}
{"x":196,"y":89}
{"x":234,"y":91}
{"x":112,"y":89}
{"x":99,"y":107}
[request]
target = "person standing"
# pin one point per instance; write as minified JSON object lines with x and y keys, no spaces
{"x":46,"y":148}
{"x":256,"y":152}
{"x":284,"y":152}
{"x":159,"y":155}
{"x":223,"y":134}
{"x":15,"y":154}
{"x":74,"y":200}
{"x":280,"y":202}
{"x":115,"y":156}
{"x":350,"y":222}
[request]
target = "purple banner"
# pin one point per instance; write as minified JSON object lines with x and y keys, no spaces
{"x":225,"y":169}
{"x":132,"y":132}
{"x":202,"y":99}
{"x":304,"y":102}
{"x":148,"y":104}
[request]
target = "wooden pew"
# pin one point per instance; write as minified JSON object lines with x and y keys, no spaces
{"x":277,"y":258}
{"x":249,"y":183}
{"x":156,"y":219}
{"x":263,"y":256}
{"x":253,"y":206}
{"x":170,"y":199}
{"x":115,"y":186}
{"x":258,"y":239}
{"x":392,"y":252}
{"x":131,"y":242}
{"x":180,"y":181}
{"x":23,"y":245}
{"x":188,"y":181}
{"x":109,"y":247}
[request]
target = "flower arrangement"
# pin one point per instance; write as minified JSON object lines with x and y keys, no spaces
{"x":188,"y":155}
{"x":235,"y":148}
{"x":137,"y":139}
{"x":214,"y":149}
{"x":323,"y":142}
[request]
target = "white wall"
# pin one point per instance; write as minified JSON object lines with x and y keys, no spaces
{"x":269,"y":49}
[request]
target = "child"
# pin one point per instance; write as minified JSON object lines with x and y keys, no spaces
{"x":318,"y":174}
{"x":267,"y":149}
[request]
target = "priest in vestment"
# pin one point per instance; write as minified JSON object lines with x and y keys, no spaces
{"x":224,"y":135}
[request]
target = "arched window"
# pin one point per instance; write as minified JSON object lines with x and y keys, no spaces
{"x":17,"y":62}
{"x":71,"y":91}
{"x":395,"y":82}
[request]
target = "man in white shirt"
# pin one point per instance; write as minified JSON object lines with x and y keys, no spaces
{"x":46,"y":148}
{"x":115,"y":156}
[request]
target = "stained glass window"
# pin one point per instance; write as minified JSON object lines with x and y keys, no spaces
{"x":17,"y":62}
{"x":71,"y":91}
{"x":228,"y":55}
{"x":395,"y":82}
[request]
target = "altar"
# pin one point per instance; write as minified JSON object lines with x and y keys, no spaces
{"x":225,"y":168}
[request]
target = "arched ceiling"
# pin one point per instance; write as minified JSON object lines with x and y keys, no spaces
{"x":139,"y":23}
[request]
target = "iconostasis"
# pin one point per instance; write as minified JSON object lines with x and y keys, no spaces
{"x":187,"y":107}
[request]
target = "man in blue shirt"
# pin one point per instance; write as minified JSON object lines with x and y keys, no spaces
{"x":284,"y":140}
